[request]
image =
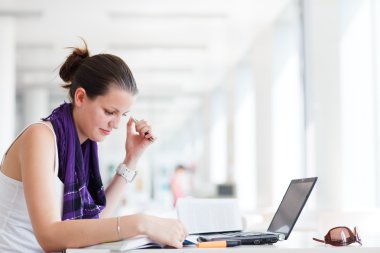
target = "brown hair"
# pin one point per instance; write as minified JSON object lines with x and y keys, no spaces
{"x":96,"y":74}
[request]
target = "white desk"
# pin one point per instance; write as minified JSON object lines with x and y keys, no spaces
{"x":297,"y":242}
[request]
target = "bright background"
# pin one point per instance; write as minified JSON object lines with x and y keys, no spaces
{"x":245,"y":93}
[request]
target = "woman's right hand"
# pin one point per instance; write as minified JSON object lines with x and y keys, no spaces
{"x":139,"y":137}
{"x":170,"y":232}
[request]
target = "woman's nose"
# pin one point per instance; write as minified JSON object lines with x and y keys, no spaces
{"x":115,"y":122}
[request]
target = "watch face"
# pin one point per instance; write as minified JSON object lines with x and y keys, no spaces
{"x":126,"y":173}
{"x":130,"y":175}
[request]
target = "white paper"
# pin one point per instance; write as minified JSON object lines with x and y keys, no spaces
{"x":140,"y":242}
{"x":209,"y":215}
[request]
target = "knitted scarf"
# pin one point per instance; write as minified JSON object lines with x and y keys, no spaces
{"x":84,"y":196}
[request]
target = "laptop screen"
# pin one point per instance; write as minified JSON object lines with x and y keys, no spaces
{"x":291,"y":205}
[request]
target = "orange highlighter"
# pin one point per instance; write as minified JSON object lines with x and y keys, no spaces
{"x":218,"y":244}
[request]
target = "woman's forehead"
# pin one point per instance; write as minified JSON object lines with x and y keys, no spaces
{"x":117,"y":97}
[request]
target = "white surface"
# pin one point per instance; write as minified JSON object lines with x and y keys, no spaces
{"x":209,"y":215}
{"x":7,"y":82}
{"x":297,"y":242}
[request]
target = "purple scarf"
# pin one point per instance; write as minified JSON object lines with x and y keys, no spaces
{"x":84,"y":196}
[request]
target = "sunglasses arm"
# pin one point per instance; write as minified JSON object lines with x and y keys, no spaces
{"x":318,"y":240}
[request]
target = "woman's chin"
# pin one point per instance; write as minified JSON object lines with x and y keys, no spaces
{"x":98,"y":138}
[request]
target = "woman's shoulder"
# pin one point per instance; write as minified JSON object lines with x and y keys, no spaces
{"x":42,"y":127}
{"x":37,"y":146}
{"x":36,"y":140}
{"x":41,"y":132}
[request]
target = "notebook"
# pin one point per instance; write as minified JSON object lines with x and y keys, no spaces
{"x":280,"y":227}
{"x":138,"y":242}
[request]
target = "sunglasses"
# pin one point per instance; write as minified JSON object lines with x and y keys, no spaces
{"x":341,"y":236}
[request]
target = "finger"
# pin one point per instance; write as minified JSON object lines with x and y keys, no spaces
{"x":130,"y":125}
{"x":152,"y":139}
{"x":185,"y":230}
{"x":145,"y":131}
{"x":182,"y":228}
{"x":178,"y":244}
{"x":180,"y":232}
{"x":141,"y":124}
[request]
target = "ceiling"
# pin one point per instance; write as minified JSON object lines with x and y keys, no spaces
{"x":178,"y":50}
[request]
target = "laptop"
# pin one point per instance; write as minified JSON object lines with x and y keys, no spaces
{"x":282,"y":223}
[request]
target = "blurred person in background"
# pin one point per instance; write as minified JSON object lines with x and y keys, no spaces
{"x":180,"y":183}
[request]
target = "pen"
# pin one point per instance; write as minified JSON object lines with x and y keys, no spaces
{"x":150,"y":138}
{"x":218,"y":244}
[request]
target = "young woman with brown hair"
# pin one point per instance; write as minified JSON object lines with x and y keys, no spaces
{"x":52,"y":196}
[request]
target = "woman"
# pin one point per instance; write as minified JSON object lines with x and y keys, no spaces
{"x":52,"y":197}
{"x":180,"y":183}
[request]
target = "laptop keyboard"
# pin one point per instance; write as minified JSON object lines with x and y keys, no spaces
{"x":244,"y":234}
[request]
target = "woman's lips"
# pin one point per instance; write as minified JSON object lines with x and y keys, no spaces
{"x":105,"y":132}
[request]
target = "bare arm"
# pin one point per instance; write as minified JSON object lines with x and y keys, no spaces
{"x":116,"y":190}
{"x":36,"y":157}
{"x":114,"y":194}
{"x":137,"y":141}
{"x":37,"y":163}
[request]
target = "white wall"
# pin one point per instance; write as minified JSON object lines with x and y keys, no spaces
{"x":7,"y":82}
{"x":302,"y":100}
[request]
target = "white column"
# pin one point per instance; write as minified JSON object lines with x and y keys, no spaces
{"x":36,"y":105}
{"x":263,"y":74}
{"x":376,"y":40}
{"x":206,"y":122}
{"x":230,"y":111}
{"x":202,"y":178}
{"x":324,"y":128}
{"x":358,"y":91}
{"x":7,"y":82}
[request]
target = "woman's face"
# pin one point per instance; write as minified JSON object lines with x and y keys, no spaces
{"x":96,"y":118}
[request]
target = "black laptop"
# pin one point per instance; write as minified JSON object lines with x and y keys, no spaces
{"x":283,"y":221}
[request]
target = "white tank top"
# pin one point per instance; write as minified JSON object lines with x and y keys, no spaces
{"x":16,"y":232}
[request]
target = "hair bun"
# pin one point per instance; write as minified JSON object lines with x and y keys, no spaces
{"x":73,"y":61}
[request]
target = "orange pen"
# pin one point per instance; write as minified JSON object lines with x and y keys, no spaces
{"x":218,"y":244}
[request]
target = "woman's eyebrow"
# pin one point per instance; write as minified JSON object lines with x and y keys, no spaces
{"x":117,"y":110}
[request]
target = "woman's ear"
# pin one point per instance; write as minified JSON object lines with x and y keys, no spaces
{"x":79,"y":96}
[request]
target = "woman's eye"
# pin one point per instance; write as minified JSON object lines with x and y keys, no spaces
{"x":108,"y":112}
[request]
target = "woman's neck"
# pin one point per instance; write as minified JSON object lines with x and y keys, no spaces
{"x":81,"y":136}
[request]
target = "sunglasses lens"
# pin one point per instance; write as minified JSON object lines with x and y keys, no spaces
{"x":341,"y":236}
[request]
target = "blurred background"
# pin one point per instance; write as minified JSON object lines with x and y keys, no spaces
{"x":244,"y":94}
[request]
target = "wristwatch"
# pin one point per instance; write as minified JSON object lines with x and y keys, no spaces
{"x":127,"y":174}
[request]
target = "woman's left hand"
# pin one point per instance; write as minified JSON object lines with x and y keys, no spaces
{"x":139,"y":137}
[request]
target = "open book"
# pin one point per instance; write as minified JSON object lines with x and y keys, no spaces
{"x":139,"y":242}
